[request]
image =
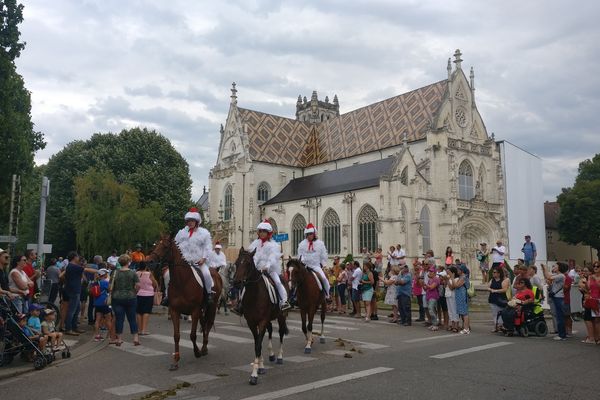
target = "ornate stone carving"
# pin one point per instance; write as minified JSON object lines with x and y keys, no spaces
{"x":459,"y":144}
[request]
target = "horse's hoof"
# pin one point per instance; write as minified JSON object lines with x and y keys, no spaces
{"x":197,"y":354}
{"x":280,"y":361}
{"x":307,"y":350}
{"x":322,"y":340}
{"x":173,"y":367}
{"x":272,"y":358}
{"x":262,"y":371}
{"x":253,"y":380}
{"x":204,"y":352}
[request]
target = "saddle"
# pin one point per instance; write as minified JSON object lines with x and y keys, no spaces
{"x":273,"y":295}
{"x":318,"y":279}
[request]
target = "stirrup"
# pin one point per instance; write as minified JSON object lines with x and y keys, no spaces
{"x":285,"y":306}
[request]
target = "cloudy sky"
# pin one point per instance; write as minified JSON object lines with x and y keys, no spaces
{"x":105,"y":65}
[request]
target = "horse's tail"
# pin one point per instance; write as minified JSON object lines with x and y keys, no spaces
{"x":286,"y":331}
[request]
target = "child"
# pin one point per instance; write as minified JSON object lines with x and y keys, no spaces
{"x":33,"y":323}
{"x":49,"y":329}
{"x":390,"y":294}
{"x":38,"y":340}
{"x":103,"y":311}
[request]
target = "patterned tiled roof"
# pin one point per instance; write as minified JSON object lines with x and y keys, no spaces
{"x":286,"y":141}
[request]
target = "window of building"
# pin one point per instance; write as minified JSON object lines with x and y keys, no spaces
{"x":264,"y":192}
{"x":228,"y":206}
{"x":425,"y":221}
{"x":367,"y":228}
{"x":404,"y":176}
{"x":331,"y":231}
{"x":298,"y":225}
{"x":465,"y":181}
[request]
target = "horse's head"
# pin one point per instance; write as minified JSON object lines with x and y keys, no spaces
{"x":162,"y":249}
{"x":295,"y":268}
{"x":244,"y":267}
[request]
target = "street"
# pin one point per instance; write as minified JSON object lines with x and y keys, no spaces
{"x":358,"y":361}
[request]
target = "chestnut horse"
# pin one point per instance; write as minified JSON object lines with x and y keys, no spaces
{"x":309,"y":298}
{"x":258,"y":311}
{"x":186,"y":296}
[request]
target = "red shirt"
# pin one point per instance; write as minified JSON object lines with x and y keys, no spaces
{"x":28,"y":269}
{"x":525,"y":294}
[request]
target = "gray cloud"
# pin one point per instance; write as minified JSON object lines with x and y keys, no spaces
{"x":169,"y":66}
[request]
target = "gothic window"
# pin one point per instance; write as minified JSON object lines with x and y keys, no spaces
{"x":298,"y":225}
{"x":331,"y":231}
{"x":425,"y":220}
{"x":264,"y":192}
{"x":228,"y":203}
{"x":465,"y":181}
{"x":404,"y":176}
{"x":322,"y":117}
{"x":274,"y":225}
{"x":461,"y":117}
{"x":367,"y":228}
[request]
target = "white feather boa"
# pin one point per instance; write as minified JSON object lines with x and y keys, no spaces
{"x":196,"y":247}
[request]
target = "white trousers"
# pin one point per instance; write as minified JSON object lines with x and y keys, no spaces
{"x":279,"y":286}
{"x":207,"y":278}
{"x":324,"y":279}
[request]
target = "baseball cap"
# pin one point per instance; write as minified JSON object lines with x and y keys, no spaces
{"x":103,"y":272}
{"x":33,"y":307}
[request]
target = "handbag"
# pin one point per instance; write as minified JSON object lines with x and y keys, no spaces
{"x":112,"y":285}
{"x":592,"y":304}
{"x":157,"y":298}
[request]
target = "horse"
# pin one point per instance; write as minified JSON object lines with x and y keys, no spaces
{"x":186,"y":296}
{"x":309,"y":298}
{"x":258,"y":311}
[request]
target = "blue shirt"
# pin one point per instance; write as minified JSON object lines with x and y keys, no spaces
{"x":101,"y":300}
{"x":405,"y":289}
{"x":528,"y":250}
{"x":73,"y":274}
{"x":34,"y":323}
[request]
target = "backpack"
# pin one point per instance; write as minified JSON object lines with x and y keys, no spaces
{"x":94,"y":290}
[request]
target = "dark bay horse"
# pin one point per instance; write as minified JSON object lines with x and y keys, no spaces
{"x":309,"y":298}
{"x":186,"y":296}
{"x":258,"y":311}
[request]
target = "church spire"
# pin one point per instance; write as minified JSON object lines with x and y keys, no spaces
{"x":457,"y":59}
{"x":449,"y":68}
{"x":233,"y":94}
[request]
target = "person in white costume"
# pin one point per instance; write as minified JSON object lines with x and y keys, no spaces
{"x":268,"y":258}
{"x":217,"y":259}
{"x":195,"y":245}
{"x":312,"y":252}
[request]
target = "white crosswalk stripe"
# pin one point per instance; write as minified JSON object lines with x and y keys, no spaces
{"x":140,"y":350}
{"x":470,"y":350}
{"x":186,"y":343}
{"x":228,"y":338}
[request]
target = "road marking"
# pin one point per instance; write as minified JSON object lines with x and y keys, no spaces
{"x":433,"y":338}
{"x":140,"y":350}
{"x":182,"y":342}
{"x":129,"y":389}
{"x":247,"y":368}
{"x":318,"y":384}
{"x":299,"y":359}
{"x":246,"y":330}
{"x":196,"y":378}
{"x":291,"y":328}
{"x":470,"y":350}
{"x":317,"y":324}
{"x":227,"y":338}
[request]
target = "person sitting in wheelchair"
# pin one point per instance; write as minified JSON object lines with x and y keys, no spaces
{"x":513,"y":315}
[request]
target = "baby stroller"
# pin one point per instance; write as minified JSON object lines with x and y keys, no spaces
{"x":13,"y":340}
{"x":524,"y":320}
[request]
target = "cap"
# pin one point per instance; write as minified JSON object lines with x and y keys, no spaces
{"x":265,"y":226}
{"x":103,"y":272}
{"x":48,"y":311}
{"x":193,"y":213}
{"x":20,"y":317}
{"x":33,"y":307}
{"x":483,"y":244}
{"x":310,"y":228}
{"x":218,"y":246}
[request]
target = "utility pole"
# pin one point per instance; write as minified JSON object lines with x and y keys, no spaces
{"x":13,"y":218}
{"x":42,"y":226}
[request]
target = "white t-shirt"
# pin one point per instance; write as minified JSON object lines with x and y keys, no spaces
{"x":356,"y":275}
{"x":496,"y":256}
{"x":112,"y":260}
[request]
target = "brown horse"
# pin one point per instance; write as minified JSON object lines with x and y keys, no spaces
{"x":309,"y":298}
{"x":186,"y":296}
{"x":258,"y":311}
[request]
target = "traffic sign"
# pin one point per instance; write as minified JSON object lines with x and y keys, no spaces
{"x":281,"y":237}
{"x":8,"y":239}
{"x":47,"y":249}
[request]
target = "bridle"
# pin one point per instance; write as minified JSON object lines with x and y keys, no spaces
{"x":246,"y":280}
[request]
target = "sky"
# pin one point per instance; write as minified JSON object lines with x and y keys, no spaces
{"x":107,"y":65}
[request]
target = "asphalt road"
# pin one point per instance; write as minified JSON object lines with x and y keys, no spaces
{"x":375,"y":360}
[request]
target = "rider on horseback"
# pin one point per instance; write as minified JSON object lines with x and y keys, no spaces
{"x":312,"y":252}
{"x":267,"y":258}
{"x":218,"y":259}
{"x":195,"y":245}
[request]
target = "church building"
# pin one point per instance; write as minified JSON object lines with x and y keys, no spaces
{"x":418,"y":169}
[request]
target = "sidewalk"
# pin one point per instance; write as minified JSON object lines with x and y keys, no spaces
{"x":83,"y":347}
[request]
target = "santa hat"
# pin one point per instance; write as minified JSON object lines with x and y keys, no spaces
{"x":193,"y":214}
{"x":218,"y":245}
{"x":310,"y":228}
{"x":265,"y":226}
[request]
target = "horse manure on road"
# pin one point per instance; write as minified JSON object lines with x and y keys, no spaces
{"x":163,"y":394}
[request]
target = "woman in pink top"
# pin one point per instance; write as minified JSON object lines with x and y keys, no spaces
{"x":417,"y":288}
{"x":145,"y":297}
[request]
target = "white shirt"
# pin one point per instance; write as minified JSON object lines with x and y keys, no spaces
{"x":218,"y":260}
{"x":112,"y":260}
{"x":267,"y":256}
{"x":314,"y":257}
{"x":496,"y":256}
{"x":356,"y":275}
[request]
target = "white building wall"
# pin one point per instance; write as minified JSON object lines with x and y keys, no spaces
{"x":523,"y":200}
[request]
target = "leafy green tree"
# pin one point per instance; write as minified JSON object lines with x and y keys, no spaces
{"x":19,"y":139}
{"x":579,"y":219}
{"x":108,"y":215}
{"x":140,"y":158}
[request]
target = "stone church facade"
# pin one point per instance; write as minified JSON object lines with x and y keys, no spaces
{"x":418,"y":169}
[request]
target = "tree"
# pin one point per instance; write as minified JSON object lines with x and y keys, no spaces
{"x":108,"y":215}
{"x":140,"y":158}
{"x":579,"y":219}
{"x":19,"y":139}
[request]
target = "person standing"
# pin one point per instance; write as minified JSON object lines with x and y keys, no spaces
{"x":449,"y":260}
{"x":218,"y":262}
{"x":529,"y":251}
{"x":53,"y":275}
{"x":32,"y":272}
{"x":556,"y":295}
{"x":499,"y":285}
{"x":417,"y":288}
{"x":403,"y":291}
{"x":4,"y":272}
{"x":462,"y":299}
{"x":137,"y":256}
{"x":342,"y":287}
{"x":19,"y":284}
{"x":124,"y":299}
{"x":498,"y":254}
{"x":73,"y":275}
{"x":312,"y":252}
{"x":112,"y":260}
{"x":356,"y":295}
{"x":367,"y":282}
{"x":195,"y":245}
{"x":483,"y":257}
{"x":145,"y":297}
